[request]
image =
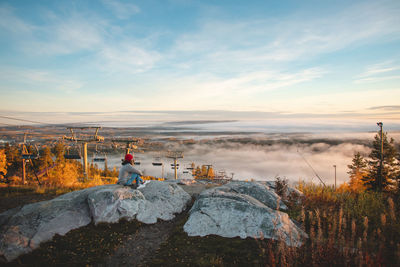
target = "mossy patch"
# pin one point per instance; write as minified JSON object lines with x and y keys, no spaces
{"x":183,"y":250}
{"x":80,"y":247}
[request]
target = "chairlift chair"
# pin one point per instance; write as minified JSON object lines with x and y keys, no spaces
{"x":97,"y":158}
{"x":137,"y":161}
{"x":29,"y":156}
{"x":157,"y":162}
{"x":75,"y":155}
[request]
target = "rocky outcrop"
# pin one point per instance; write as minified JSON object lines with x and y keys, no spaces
{"x":244,"y":209}
{"x":23,"y":229}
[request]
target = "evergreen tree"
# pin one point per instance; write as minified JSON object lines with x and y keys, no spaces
{"x":13,"y":157}
{"x":59,"y":151}
{"x":3,"y":163}
{"x":381,"y":177}
{"x":204,"y":171}
{"x":106,"y":172}
{"x":197,"y":173}
{"x":46,"y":158}
{"x":358,"y":171}
{"x":210,"y":173}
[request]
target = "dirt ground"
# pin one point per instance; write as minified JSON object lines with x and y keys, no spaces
{"x":135,"y":247}
{"x":12,"y":197}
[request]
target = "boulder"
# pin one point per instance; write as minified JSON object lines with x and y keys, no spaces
{"x":239,"y":214}
{"x":257,"y":190}
{"x":23,"y":229}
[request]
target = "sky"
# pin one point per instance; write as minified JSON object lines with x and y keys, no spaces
{"x":284,"y":59}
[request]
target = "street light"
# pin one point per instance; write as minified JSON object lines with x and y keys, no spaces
{"x":334,"y":166}
{"x":380,"y":124}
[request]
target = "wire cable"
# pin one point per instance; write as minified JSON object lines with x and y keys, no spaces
{"x":316,"y":174}
{"x":16,"y":119}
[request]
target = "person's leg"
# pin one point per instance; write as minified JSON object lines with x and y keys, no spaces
{"x":133,"y":177}
{"x":138,"y":180}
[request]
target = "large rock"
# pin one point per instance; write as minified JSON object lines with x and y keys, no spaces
{"x":257,"y":190}
{"x":23,"y":229}
{"x":219,"y":211}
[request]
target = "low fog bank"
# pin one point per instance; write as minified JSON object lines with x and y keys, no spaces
{"x":267,"y":162}
{"x":263,"y":157}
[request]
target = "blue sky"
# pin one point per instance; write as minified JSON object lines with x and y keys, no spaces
{"x":297,"y":59}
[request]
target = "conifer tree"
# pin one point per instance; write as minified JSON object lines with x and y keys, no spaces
{"x":210,"y":173}
{"x":46,"y":159}
{"x":59,"y":151}
{"x":358,"y":171}
{"x":381,"y":177}
{"x":13,"y":156}
{"x":3,"y":163}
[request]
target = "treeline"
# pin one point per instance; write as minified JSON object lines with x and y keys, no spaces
{"x":50,"y":165}
{"x":379,"y":171}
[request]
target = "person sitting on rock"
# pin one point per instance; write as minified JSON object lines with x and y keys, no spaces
{"x":127,"y":173}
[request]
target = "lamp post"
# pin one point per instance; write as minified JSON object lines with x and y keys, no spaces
{"x":380,"y":124}
{"x":334,"y":166}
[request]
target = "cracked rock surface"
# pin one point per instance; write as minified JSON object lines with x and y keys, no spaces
{"x":244,"y":209}
{"x":23,"y":229}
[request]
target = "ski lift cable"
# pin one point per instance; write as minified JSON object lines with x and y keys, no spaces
{"x":316,"y":174}
{"x":16,"y":119}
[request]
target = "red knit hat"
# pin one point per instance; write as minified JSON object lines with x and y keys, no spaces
{"x":128,"y":157}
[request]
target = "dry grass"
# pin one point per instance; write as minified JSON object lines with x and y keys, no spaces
{"x":345,"y":229}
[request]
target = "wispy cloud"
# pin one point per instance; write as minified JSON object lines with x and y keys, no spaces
{"x":223,"y":44}
{"x":120,"y":9}
{"x":127,"y":58}
{"x":11,"y":23}
{"x":394,"y":107}
{"x":38,"y":80}
{"x":380,"y":72}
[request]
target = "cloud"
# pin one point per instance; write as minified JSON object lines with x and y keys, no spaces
{"x":127,"y":58}
{"x":105,"y":45}
{"x":38,"y":80}
{"x":394,"y":107}
{"x":13,"y":24}
{"x":120,"y":9}
{"x":380,"y":72}
{"x":248,"y":44}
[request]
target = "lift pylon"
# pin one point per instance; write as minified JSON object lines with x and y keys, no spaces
{"x":175,"y":155}
{"x":84,"y":141}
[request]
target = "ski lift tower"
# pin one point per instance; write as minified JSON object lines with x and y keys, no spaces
{"x":175,"y":155}
{"x":84,"y":141}
{"x":130,"y":143}
{"x":28,"y":157}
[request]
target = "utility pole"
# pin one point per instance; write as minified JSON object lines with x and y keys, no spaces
{"x":175,"y":155}
{"x":380,"y":178}
{"x":334,"y":166}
